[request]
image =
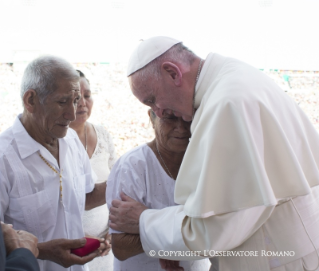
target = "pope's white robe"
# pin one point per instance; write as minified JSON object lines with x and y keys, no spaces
{"x":249,"y":178}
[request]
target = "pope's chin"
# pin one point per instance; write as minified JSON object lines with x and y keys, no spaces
{"x":187,"y":118}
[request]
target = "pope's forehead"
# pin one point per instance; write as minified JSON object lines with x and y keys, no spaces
{"x":135,"y":83}
{"x":140,"y":87}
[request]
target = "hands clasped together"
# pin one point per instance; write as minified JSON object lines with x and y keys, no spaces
{"x":57,"y":250}
{"x":19,"y":239}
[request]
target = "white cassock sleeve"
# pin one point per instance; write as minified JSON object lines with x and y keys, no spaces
{"x":169,"y":229}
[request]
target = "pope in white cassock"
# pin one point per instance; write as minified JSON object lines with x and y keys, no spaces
{"x":248,"y":185}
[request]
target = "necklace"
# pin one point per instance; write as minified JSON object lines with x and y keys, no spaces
{"x":197,"y":76}
{"x":86,"y":146}
{"x":170,"y":174}
{"x":53,"y":169}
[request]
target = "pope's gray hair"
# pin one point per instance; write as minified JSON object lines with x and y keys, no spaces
{"x":178,"y":54}
{"x":42,"y":75}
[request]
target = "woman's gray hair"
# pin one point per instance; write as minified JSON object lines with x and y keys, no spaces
{"x":177,"y":54}
{"x":43,"y":73}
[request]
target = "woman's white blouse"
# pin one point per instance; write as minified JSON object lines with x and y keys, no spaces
{"x":139,"y":174}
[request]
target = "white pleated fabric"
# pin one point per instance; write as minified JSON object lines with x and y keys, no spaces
{"x":267,"y":232}
{"x":251,"y":144}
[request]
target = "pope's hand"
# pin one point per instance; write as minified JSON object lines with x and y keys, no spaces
{"x":169,"y":265}
{"x":125,"y":214}
{"x":59,"y":251}
{"x":19,"y":239}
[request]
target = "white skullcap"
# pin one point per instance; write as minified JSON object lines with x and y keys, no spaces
{"x":147,"y":51}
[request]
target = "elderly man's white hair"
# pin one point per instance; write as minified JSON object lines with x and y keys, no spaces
{"x":42,"y":74}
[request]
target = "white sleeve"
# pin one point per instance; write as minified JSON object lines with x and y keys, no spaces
{"x":127,"y":178}
{"x":170,"y":229}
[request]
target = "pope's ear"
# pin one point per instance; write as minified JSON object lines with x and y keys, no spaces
{"x":174,"y":72}
{"x":29,"y":100}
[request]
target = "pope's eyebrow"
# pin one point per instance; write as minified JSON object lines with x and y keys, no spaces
{"x":149,"y":100}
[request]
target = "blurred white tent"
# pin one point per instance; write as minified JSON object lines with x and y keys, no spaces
{"x":269,"y":34}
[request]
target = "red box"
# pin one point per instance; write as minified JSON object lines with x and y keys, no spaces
{"x":90,"y":246}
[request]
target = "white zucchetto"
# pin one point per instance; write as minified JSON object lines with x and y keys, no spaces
{"x":148,"y":50}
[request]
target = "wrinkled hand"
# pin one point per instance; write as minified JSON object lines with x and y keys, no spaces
{"x":125,"y":214}
{"x":169,"y":265}
{"x":108,"y":244}
{"x":59,"y":251}
{"x":19,"y":239}
{"x":105,"y":244}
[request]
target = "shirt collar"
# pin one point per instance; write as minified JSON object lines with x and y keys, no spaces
{"x":26,"y":144}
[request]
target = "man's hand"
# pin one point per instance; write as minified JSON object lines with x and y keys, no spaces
{"x":19,"y":239}
{"x":59,"y":251}
{"x":169,"y":265}
{"x":125,"y":214}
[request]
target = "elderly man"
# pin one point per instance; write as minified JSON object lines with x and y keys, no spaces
{"x":47,"y":179}
{"x":248,"y":183}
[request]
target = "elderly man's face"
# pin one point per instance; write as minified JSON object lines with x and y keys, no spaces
{"x":58,"y":110}
{"x":162,"y":100}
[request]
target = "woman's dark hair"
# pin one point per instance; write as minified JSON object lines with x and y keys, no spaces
{"x":83,"y":75}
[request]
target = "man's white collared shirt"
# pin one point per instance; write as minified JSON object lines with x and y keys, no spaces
{"x":30,"y":190}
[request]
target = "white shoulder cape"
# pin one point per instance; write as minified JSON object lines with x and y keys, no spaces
{"x":251,"y":144}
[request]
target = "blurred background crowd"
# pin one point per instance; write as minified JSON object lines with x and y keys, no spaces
{"x":123,"y":115}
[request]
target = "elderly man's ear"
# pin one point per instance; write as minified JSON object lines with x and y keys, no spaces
{"x":30,"y":99}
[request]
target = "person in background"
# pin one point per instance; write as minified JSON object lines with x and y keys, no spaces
{"x":18,"y":250}
{"x":100,"y":149}
{"x":147,"y":174}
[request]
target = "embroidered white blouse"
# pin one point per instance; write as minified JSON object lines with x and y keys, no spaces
{"x":139,"y":174}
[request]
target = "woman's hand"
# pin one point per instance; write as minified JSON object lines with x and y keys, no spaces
{"x":108,"y":244}
{"x":105,"y":244}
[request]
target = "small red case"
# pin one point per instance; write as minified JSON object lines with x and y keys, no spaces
{"x":91,"y":245}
